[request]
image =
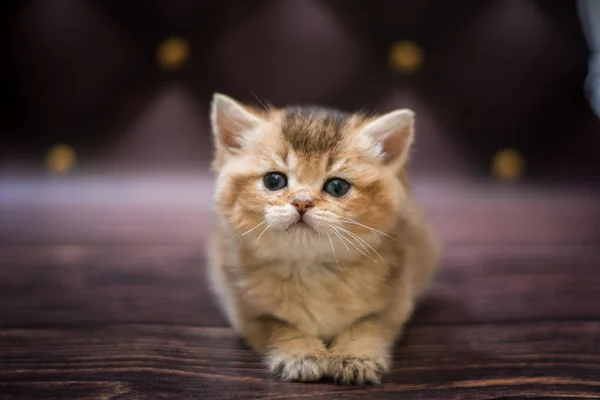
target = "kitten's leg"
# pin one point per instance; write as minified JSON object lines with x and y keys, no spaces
{"x":361,"y":354}
{"x":289,"y":353}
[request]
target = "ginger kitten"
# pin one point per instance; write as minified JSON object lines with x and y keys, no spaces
{"x":319,"y":253}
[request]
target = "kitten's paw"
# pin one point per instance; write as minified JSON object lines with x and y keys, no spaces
{"x":353,"y":370}
{"x":301,"y":368}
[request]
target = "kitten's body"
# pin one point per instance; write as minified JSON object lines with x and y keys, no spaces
{"x":326,"y":297}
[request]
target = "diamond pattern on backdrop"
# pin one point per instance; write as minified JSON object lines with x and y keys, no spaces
{"x":433,"y":150}
{"x":171,"y":131}
{"x":290,"y":51}
{"x":485,"y":75}
{"x":71,"y":62}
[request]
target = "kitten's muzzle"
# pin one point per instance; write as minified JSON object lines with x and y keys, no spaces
{"x":302,"y":205}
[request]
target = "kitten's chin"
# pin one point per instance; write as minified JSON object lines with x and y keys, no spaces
{"x":301,"y":226}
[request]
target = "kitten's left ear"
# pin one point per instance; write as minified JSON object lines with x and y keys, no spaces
{"x":390,"y":136}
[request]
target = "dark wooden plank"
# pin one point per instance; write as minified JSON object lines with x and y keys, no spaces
{"x":145,"y":361}
{"x":138,"y":322}
{"x":71,"y":284}
{"x":92,"y":284}
{"x":63,"y":389}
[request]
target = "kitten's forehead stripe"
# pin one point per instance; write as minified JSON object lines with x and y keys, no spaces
{"x":331,"y":159}
{"x":283,"y":155}
{"x":313,"y":129}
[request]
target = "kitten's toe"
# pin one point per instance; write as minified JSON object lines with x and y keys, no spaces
{"x":352,"y":370}
{"x":301,"y":368}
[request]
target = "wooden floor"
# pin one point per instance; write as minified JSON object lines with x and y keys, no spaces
{"x":103,"y":296}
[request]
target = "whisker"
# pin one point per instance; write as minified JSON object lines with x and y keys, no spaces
{"x":333,"y":250}
{"x":363,"y":241}
{"x":358,"y":239}
{"x":261,"y":103}
{"x":356,"y":247}
{"x":368,"y":253}
{"x":256,"y":226}
{"x":338,"y":235}
{"x":374,"y":110}
{"x":351,"y":221}
{"x":259,"y":236}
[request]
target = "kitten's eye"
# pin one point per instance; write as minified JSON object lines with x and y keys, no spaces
{"x":275,"y":181}
{"x":336,"y":187}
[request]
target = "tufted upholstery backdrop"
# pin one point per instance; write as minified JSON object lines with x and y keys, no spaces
{"x":127,"y":83}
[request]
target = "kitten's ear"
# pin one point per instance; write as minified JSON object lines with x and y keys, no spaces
{"x":390,"y":136}
{"x":231,"y":122}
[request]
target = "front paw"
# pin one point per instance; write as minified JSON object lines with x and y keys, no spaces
{"x":296,"y":367}
{"x":356,"y":370}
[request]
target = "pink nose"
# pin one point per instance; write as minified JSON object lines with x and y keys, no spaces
{"x":302,"y":205}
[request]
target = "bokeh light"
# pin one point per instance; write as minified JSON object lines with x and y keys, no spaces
{"x":61,"y":159}
{"x":508,"y":165}
{"x":406,"y":57}
{"x":172,"y":53}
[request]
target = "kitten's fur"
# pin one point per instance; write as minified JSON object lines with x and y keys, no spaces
{"x":328,"y":301}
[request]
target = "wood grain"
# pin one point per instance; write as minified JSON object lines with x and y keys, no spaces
{"x":118,"y":316}
{"x":145,"y":361}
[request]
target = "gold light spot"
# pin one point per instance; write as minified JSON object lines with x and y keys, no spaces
{"x":172,"y":53}
{"x":508,"y":165}
{"x":406,"y":57}
{"x":61,"y":159}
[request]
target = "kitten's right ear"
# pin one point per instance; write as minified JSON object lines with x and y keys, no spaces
{"x":390,"y":136}
{"x":231,"y":122}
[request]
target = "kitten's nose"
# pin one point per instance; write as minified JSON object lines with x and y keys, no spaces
{"x":302,"y":205}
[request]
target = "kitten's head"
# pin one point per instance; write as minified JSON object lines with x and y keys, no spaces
{"x":305,"y":177}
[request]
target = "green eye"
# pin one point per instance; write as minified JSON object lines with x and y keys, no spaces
{"x":275,"y":181}
{"x":337,"y":187}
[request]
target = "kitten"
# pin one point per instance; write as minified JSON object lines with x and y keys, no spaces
{"x":319,"y":253}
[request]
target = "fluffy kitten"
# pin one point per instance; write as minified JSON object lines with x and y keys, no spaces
{"x":318,"y":254}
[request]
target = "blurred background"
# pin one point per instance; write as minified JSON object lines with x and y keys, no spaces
{"x":106,"y":195}
{"x":109,"y":86}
